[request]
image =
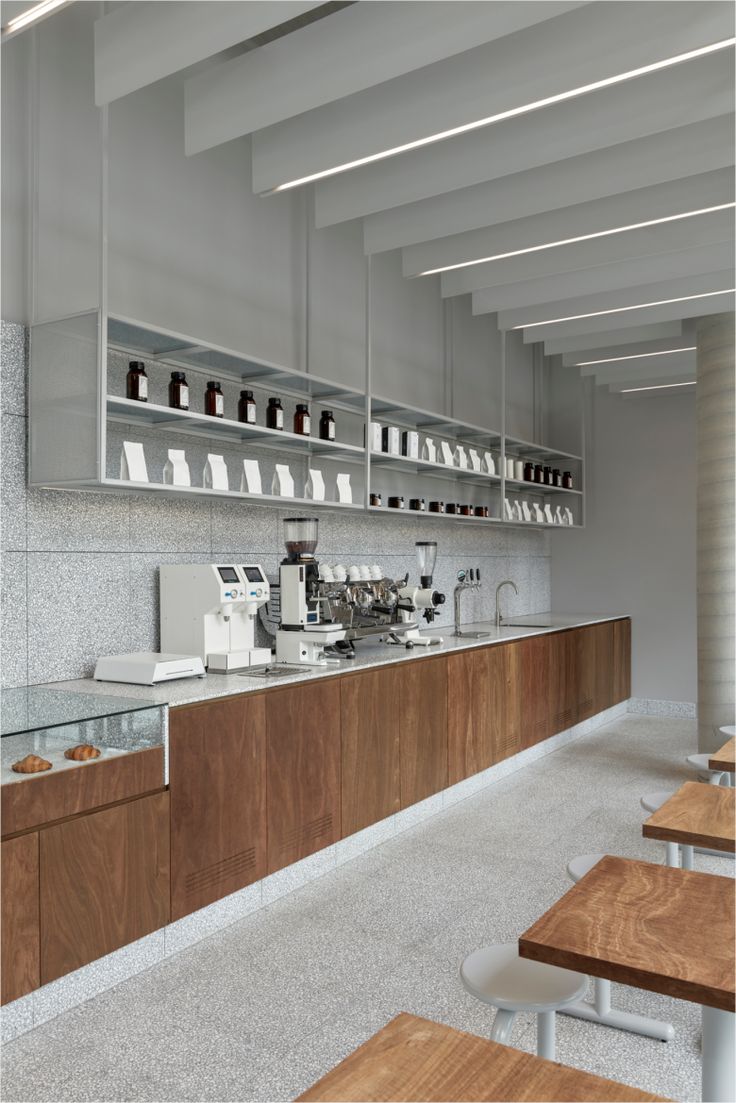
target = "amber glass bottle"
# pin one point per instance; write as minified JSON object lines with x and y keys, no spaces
{"x":274,"y":414}
{"x":302,"y":420}
{"x":214,"y":401}
{"x":247,"y":408}
{"x":178,"y":391}
{"x":136,"y":381}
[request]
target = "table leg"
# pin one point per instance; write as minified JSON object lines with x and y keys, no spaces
{"x":673,"y":855}
{"x":546,"y":1034}
{"x":719,"y":1055}
{"x":687,"y":857}
{"x":606,"y":1015}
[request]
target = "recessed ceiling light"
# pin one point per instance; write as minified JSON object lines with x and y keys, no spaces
{"x":38,"y":11}
{"x":575,"y":240}
{"x":658,"y":387}
{"x":621,"y":309}
{"x":513,"y":112}
{"x":635,"y":356}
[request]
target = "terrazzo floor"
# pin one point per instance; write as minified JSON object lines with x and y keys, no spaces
{"x":261,"y":1010}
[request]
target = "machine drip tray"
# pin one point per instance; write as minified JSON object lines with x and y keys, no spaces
{"x":273,"y":670}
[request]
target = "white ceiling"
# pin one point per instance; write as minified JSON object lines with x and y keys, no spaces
{"x":344,"y":83}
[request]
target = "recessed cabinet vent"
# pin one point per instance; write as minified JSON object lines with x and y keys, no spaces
{"x":586,"y":705}
{"x":563,"y":719}
{"x":307,"y":833}
{"x":221,"y":871}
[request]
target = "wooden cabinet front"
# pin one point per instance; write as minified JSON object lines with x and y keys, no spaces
{"x":217,"y":773}
{"x":535,"y":677}
{"x":303,"y":771}
{"x":371,"y":781}
{"x":621,"y":661}
{"x":419,"y":690}
{"x":484,"y":708}
{"x":603,"y":666}
{"x":563,"y":685}
{"x":104,"y":882}
{"x":20,"y":924}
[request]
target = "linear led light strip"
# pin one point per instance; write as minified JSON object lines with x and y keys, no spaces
{"x":575,"y":240}
{"x":38,"y":11}
{"x":635,"y":356}
{"x":657,"y":387}
{"x":622,"y":309}
{"x":535,"y":105}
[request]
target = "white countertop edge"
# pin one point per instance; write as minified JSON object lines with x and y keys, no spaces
{"x":369,"y":654}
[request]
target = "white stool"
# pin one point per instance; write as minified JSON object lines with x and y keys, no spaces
{"x":729,"y":730}
{"x":498,"y":976}
{"x":714,"y":777}
{"x":600,"y":1011}
{"x":676,"y":856}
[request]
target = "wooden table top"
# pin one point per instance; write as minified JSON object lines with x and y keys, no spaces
{"x":665,"y":930}
{"x":697,"y":815}
{"x":723,"y":759}
{"x":415,"y":1059}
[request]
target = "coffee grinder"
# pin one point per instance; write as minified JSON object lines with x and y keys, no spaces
{"x":414,"y":598}
{"x":303,"y":631}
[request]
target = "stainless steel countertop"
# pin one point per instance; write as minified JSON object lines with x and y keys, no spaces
{"x":369,"y":654}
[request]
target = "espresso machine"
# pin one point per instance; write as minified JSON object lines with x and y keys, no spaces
{"x":306,"y":628}
{"x":210,"y":609}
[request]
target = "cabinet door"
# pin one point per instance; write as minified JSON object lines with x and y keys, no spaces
{"x":20,"y":927}
{"x":535,"y":676}
{"x":505,"y":669}
{"x":603,"y":666}
{"x":370,"y":718}
{"x":420,"y":690}
{"x":472,"y":714}
{"x":217,"y":773}
{"x":621,"y":661}
{"x":585,"y":639}
{"x":563,"y":680}
{"x":104,"y":882}
{"x":303,"y":771}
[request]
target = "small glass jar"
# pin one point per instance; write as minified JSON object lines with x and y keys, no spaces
{"x":327,"y":426}
{"x":528,"y":472}
{"x":567,"y":480}
{"x":178,"y":391}
{"x":136,"y":381}
{"x":247,"y":408}
{"x":548,"y":476}
{"x":436,"y":507}
{"x":418,"y":504}
{"x":274,"y":414}
{"x":302,"y":420}
{"x":376,"y":499}
{"x":556,"y":477}
{"x":538,"y":473}
{"x":451,"y":507}
{"x":396,"y":502}
{"x":480,"y":511}
{"x":465,"y":510}
{"x":214,"y":401}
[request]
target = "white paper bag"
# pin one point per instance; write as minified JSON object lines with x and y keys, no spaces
{"x":215,"y":473}
{"x":568,"y":514}
{"x":525,"y":510}
{"x":461,"y":459}
{"x":176,"y":469}
{"x":250,"y":480}
{"x":133,"y":463}
{"x":474,"y":459}
{"x":538,"y":514}
{"x":446,"y":453}
{"x":488,"y":463}
{"x":508,"y":512}
{"x":548,"y":516}
{"x":558,"y":515}
{"x":315,"y":485}
{"x":283,"y":481}
{"x":429,"y":450}
{"x":518,"y":514}
{"x":344,"y":491}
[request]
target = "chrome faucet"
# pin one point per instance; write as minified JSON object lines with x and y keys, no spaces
{"x":466,"y":580}
{"x":506,"y":582}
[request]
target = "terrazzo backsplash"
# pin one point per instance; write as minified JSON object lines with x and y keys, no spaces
{"x":80,"y":570}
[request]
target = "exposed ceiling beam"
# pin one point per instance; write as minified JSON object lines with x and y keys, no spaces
{"x":635,"y":348}
{"x":681,"y":384}
{"x":648,"y":368}
{"x":709,"y":229}
{"x":559,"y":345}
{"x":687,"y":94}
{"x":355,"y":49}
{"x":614,"y":212}
{"x":545,"y":60}
{"x":605,"y":277}
{"x":606,"y":323}
{"x":613,"y":300}
{"x":140,"y":43}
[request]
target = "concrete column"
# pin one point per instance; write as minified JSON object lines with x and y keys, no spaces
{"x":716,"y":521}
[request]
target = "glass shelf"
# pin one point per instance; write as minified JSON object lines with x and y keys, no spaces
{"x":30,"y":708}
{"x":517,"y":485}
{"x":433,"y":470}
{"x":517,"y":447}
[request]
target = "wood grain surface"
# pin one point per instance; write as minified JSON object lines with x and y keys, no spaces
{"x":621,"y":661}
{"x":303,"y":771}
{"x":42,"y":799}
{"x":21,"y":970}
{"x":696,"y":815}
{"x":421,"y":688}
{"x":371,"y":765}
{"x":723,"y":759}
{"x":563,"y":680}
{"x":472,"y":714}
{"x":535,"y":677}
{"x":665,"y":930}
{"x":604,"y":659}
{"x":585,"y":669}
{"x":415,"y":1059}
{"x":217,"y":776}
{"x":104,"y":882}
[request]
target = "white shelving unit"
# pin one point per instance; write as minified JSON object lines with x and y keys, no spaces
{"x":76,"y":415}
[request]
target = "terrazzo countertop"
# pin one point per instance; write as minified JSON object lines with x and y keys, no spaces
{"x":369,"y":654}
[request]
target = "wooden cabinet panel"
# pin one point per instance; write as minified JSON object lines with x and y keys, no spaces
{"x":217,"y":773}
{"x":420,"y":692}
{"x":603,"y":666}
{"x":303,"y":771}
{"x":484,"y":710}
{"x":508,"y":660}
{"x":564,"y":680}
{"x":621,"y":661}
{"x":535,"y":676}
{"x":21,"y":971}
{"x":371,"y":785}
{"x":104,"y":882}
{"x":586,"y":673}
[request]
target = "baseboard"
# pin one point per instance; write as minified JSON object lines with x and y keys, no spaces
{"x":653,"y":706}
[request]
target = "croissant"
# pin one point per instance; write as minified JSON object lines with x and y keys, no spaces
{"x":31,"y":764}
{"x":82,"y":752}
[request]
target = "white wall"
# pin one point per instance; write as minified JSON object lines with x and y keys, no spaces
{"x":637,"y":553}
